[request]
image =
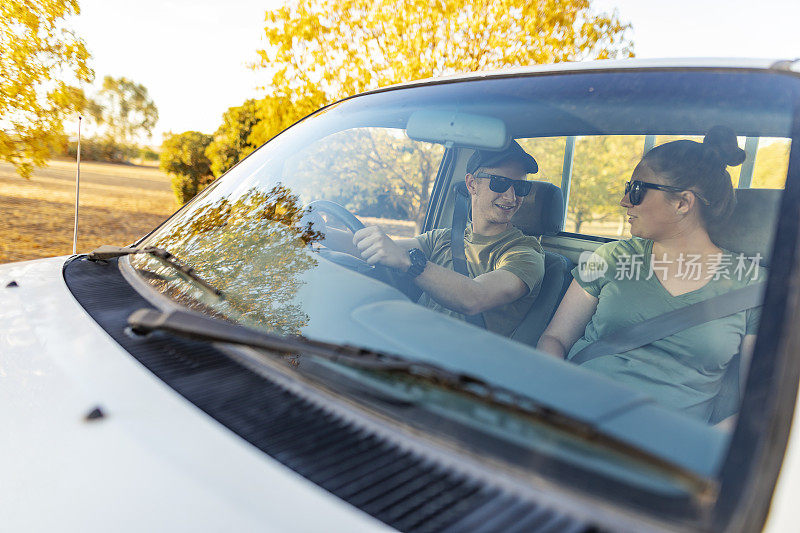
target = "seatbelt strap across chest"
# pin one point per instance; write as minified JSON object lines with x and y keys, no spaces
{"x":675,"y":321}
{"x":460,"y":212}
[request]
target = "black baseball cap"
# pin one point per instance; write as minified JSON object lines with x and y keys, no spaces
{"x":514,"y":152}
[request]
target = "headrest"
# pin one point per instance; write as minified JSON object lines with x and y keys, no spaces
{"x":750,"y":228}
{"x":542,"y":212}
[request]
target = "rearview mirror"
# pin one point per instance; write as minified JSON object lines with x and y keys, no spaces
{"x":452,"y":128}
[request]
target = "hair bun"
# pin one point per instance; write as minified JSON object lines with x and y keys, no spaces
{"x":723,"y":141}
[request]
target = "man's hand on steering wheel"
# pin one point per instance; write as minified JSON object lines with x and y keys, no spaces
{"x":378,"y":248}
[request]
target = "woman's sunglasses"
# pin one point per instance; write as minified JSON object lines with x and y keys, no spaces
{"x":636,"y":189}
{"x":500,"y":184}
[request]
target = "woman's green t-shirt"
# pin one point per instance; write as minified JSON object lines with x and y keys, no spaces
{"x":683,"y":371}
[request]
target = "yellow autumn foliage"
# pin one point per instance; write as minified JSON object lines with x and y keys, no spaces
{"x":322,"y":50}
{"x":39,"y":59}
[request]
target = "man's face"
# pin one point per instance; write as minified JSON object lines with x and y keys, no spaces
{"x":492,"y":207}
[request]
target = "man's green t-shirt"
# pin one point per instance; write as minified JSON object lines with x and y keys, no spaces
{"x":684,"y":370}
{"x":511,"y":250}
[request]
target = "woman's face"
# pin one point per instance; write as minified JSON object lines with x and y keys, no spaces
{"x":657,"y":216}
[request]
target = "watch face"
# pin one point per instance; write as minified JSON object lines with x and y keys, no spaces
{"x":418,"y":262}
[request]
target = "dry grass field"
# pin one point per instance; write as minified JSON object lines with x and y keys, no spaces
{"x":119,"y":203}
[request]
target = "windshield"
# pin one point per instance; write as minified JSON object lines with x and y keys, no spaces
{"x":339,"y":230}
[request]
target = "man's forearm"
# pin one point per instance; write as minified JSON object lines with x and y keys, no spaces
{"x":450,"y":289}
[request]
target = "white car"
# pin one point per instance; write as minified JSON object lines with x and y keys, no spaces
{"x":234,"y":371}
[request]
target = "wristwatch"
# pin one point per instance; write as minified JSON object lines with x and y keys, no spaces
{"x":418,"y":262}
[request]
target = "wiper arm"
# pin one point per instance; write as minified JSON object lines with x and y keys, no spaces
{"x":106,"y":252}
{"x":210,"y":329}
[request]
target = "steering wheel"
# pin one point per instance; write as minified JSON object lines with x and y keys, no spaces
{"x":390,"y":276}
{"x":349,"y":220}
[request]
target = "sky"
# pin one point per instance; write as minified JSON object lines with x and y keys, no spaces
{"x":192,"y":55}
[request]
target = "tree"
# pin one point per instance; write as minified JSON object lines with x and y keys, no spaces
{"x":601,"y":166}
{"x":254,"y":247}
{"x":371,"y":171}
{"x":231,"y":140}
{"x":324,"y":50}
{"x":772,"y":163}
{"x":329,"y":49}
{"x":123,"y":110}
{"x":183,"y":156}
{"x":276,"y":113}
{"x":39,"y":58}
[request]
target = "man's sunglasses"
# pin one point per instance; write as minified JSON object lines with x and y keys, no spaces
{"x":501,"y":184}
{"x":636,"y":189}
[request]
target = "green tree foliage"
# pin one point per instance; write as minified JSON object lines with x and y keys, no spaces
{"x":231,"y":140}
{"x":39,"y":58}
{"x":600,"y":167}
{"x":101,"y":149}
{"x":183,"y":157}
{"x":123,"y":111}
{"x":148,"y":154}
{"x":771,"y":165}
{"x":371,"y":171}
{"x":549,"y":155}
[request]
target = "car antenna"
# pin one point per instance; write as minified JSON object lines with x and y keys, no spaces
{"x":77,"y":189}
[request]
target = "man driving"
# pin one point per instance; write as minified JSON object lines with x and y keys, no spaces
{"x":505,"y":266}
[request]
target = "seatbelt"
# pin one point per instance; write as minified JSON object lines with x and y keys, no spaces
{"x":460,"y":211}
{"x":659,"y":327}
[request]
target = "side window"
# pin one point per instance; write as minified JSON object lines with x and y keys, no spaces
{"x":379,"y":174}
{"x":766,"y":171}
{"x":592,"y":171}
{"x":772,"y":163}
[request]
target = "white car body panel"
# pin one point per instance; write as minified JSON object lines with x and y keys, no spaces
{"x":154,"y":462}
{"x":784,"y":514}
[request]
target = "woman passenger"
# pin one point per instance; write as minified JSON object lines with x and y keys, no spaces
{"x":679,"y":191}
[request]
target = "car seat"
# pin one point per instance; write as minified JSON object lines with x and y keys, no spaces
{"x":749,"y":232}
{"x":542,"y":213}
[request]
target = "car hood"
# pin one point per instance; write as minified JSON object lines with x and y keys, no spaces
{"x":146,"y":458}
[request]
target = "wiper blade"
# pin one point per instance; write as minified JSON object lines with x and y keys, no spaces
{"x":204,"y":328}
{"x":106,"y":252}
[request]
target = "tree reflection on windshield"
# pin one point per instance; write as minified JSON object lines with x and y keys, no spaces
{"x":373,"y":172}
{"x":254,"y":248}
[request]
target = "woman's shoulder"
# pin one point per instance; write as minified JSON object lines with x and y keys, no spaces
{"x":624,"y":249}
{"x":604,"y":263}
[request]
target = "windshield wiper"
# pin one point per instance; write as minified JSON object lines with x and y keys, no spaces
{"x":204,"y":328}
{"x":106,"y":252}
